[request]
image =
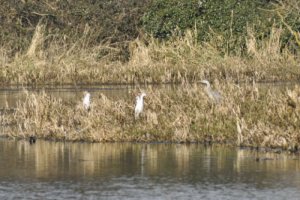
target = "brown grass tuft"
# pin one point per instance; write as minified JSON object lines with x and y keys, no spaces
{"x":181,"y":59}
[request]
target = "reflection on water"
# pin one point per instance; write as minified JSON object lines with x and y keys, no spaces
{"x":10,"y":96}
{"x":56,"y":170}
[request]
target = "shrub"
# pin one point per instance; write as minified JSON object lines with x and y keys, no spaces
{"x":227,"y":18}
{"x":114,"y":21}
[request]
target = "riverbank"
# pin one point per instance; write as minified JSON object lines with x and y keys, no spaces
{"x":247,"y":116}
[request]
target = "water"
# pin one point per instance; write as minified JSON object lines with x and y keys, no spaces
{"x":57,"y":170}
{"x":49,"y":170}
{"x":10,"y":96}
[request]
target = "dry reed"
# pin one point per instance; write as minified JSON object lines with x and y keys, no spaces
{"x":247,"y":116}
{"x":180,"y":59}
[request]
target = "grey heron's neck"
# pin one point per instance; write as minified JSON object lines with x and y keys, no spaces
{"x":208,"y":86}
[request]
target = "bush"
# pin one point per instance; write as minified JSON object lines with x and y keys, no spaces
{"x":288,"y":13}
{"x":113,"y":21}
{"x":227,"y":18}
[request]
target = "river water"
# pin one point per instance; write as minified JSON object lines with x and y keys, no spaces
{"x":57,"y":170}
{"x":10,"y":96}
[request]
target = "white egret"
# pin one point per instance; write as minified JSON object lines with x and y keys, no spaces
{"x":86,"y":101}
{"x":212,"y":94}
{"x":139,"y":105}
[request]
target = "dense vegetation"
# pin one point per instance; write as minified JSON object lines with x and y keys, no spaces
{"x":247,"y":116}
{"x":117,"y":22}
{"x":228,"y":19}
{"x":155,"y":41}
{"x":68,"y":41}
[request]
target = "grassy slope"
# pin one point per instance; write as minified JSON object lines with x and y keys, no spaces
{"x":43,"y":48}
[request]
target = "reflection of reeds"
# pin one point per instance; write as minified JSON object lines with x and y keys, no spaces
{"x":247,"y":116}
{"x":69,"y":160}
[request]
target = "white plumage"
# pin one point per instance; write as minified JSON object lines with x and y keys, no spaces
{"x":86,"y":100}
{"x":139,"y":105}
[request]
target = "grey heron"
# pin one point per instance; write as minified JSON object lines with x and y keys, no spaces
{"x":212,"y":94}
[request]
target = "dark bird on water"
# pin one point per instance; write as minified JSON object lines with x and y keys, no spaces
{"x":32,"y":139}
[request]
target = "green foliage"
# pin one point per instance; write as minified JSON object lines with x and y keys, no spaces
{"x":288,"y":13}
{"x":228,"y":18}
{"x":115,"y":22}
{"x":165,"y":16}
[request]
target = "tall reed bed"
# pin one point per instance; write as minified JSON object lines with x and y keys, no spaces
{"x":247,"y":116}
{"x":179,"y":59}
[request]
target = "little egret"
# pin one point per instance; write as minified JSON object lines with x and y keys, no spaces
{"x":86,"y":101}
{"x":139,"y":105}
{"x":212,"y":94}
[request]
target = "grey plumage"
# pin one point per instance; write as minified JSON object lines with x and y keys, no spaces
{"x":212,"y":94}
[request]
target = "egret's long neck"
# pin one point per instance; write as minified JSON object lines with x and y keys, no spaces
{"x":138,"y":99}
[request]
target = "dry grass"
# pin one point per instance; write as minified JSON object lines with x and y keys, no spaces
{"x":177,"y":60}
{"x":248,"y":116}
